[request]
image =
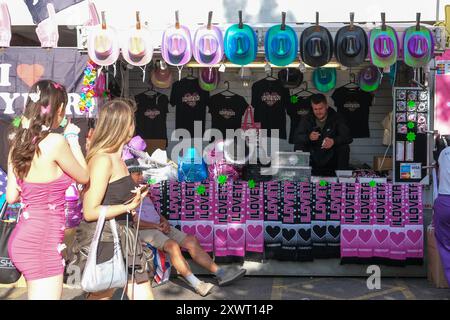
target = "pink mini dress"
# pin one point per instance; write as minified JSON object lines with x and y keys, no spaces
{"x":36,"y":243}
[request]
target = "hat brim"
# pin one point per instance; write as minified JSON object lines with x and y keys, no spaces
{"x":369,"y":86}
{"x":327,"y":39}
{"x":148,"y":54}
{"x":290,"y":84}
{"x":161,"y":83}
{"x":290,"y":56}
{"x":409,"y":59}
{"x":324,"y":87}
{"x":134,"y":169}
{"x":250,"y":55}
{"x":114,"y":53}
{"x":165,"y":52}
{"x":218,"y":55}
{"x":344,"y":59}
{"x":376,"y":59}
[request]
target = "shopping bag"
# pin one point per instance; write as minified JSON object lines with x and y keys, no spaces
{"x":8,"y":272}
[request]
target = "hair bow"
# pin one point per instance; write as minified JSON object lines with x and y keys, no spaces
{"x":35,"y":96}
{"x":57,"y":85}
{"x":45,"y":128}
{"x":45,"y":110}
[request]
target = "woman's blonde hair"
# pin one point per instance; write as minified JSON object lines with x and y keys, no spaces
{"x":113,"y":127}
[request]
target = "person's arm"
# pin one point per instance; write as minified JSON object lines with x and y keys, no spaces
{"x":100,"y":169}
{"x":147,"y":225}
{"x":71,"y":133}
{"x":12,"y":188}
{"x":65,"y":158}
{"x":301,"y":134}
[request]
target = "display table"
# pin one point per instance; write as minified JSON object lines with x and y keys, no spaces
{"x":289,"y":221}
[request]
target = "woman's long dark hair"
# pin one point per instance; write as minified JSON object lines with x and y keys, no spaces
{"x":41,"y":113}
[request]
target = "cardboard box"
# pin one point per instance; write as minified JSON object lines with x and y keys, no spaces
{"x":387,"y":164}
{"x":435,"y":269}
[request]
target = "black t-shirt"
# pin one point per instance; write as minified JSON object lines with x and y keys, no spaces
{"x":227,"y":111}
{"x":190,"y":101}
{"x":151,"y":115}
{"x":296,"y":111}
{"x":270,"y":100}
{"x":353,"y":105}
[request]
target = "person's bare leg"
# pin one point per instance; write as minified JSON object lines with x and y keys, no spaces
{"x":142,"y":291}
{"x":45,"y":289}
{"x":176,"y":258}
{"x":199,"y":255}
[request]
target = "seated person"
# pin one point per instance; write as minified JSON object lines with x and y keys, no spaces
{"x":325,"y":135}
{"x":156,"y":230}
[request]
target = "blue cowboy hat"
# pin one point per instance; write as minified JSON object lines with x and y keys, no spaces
{"x":241,"y":43}
{"x":281,"y":44}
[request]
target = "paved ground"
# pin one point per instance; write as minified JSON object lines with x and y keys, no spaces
{"x":285,"y":288}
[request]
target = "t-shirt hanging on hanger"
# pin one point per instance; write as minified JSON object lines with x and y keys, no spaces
{"x":151,"y":115}
{"x":227,"y":111}
{"x":270,"y":99}
{"x":296,"y":111}
{"x":353,"y":105}
{"x":190,"y":101}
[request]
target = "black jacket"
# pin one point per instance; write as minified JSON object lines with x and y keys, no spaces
{"x":335,"y":128}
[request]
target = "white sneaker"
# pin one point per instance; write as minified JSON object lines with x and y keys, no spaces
{"x":204,"y":288}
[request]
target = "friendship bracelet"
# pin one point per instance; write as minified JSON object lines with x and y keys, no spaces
{"x":66,"y":135}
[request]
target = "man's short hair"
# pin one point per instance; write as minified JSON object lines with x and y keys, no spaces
{"x":318,"y":98}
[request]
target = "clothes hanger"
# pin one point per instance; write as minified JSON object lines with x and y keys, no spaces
{"x":270,"y":76}
{"x":227,"y":90}
{"x":352,"y":83}
{"x":191,"y":74}
{"x":151,"y":91}
{"x":305,"y":89}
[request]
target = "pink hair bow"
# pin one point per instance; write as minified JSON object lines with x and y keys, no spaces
{"x":57,"y":85}
{"x":45,"y":110}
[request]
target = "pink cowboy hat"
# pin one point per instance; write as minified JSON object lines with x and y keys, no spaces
{"x":176,"y":46}
{"x":208,"y":44}
{"x":103,"y":45}
{"x":137,"y":48}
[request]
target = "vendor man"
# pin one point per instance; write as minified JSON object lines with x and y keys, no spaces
{"x":326,"y":136}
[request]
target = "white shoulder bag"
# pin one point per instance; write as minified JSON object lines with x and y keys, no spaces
{"x":109,"y":274}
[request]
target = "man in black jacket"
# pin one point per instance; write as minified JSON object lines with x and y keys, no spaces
{"x":325,"y":135}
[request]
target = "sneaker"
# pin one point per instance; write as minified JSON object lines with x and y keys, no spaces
{"x":230,"y":276}
{"x":204,"y":288}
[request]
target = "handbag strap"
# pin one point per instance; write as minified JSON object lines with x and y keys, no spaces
{"x":92,"y":256}
{"x":249,"y":113}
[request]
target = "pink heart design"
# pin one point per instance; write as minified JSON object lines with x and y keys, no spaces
{"x":189,"y":230}
{"x":254,"y":231}
{"x":236,"y":234}
{"x":349,"y":235}
{"x":381,"y":235}
{"x":365,"y":235}
{"x":204,"y":231}
{"x":30,"y":74}
{"x":221,"y":235}
{"x":414,"y":236}
{"x":397,"y":237}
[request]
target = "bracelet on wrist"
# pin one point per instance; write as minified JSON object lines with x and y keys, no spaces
{"x":70,"y":134}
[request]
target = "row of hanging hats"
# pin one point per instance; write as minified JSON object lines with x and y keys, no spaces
{"x":351,"y":45}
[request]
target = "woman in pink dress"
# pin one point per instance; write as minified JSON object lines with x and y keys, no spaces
{"x":41,"y":166}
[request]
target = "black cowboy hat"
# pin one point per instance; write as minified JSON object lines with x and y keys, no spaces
{"x":290,"y":77}
{"x":351,"y":46}
{"x":316,"y":46}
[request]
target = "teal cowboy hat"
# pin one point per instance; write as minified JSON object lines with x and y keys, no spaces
{"x":241,"y":43}
{"x":281,"y":44}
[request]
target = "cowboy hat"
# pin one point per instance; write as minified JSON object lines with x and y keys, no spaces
{"x":369,"y":79}
{"x":137,"y":48}
{"x":383,"y":46}
{"x":208,"y":44}
{"x":241,"y":43}
{"x":418,"y":46}
{"x":133,"y":165}
{"x":103,"y":45}
{"x":281,"y":44}
{"x":290,"y":77}
{"x":5,"y":26}
{"x":351,"y":46}
{"x":161,"y":78}
{"x":176,"y":46}
{"x":208,"y":79}
{"x":324,"y":79}
{"x":316,"y":46}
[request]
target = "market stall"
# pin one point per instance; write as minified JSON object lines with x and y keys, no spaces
{"x":292,"y":223}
